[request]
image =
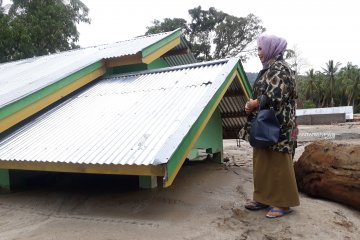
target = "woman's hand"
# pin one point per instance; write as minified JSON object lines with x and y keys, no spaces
{"x":251,"y":105}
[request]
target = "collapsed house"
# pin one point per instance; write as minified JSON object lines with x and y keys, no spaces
{"x":136,"y":107}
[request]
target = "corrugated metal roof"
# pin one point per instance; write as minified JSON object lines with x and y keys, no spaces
{"x":182,"y":59}
{"x":131,"y":46}
{"x":129,"y":119}
{"x":21,"y":78}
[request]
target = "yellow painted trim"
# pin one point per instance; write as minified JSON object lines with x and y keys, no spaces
{"x":242,"y":85}
{"x":17,"y":117}
{"x":171,"y":178}
{"x":139,"y":170}
{"x":124,"y":60}
{"x":136,"y":58}
{"x":159,"y":52}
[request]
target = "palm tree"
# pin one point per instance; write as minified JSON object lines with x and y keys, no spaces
{"x":310,"y":88}
{"x":330,"y":71}
{"x":354,"y":76}
{"x":350,"y":77}
{"x":355,"y":91}
{"x":322,"y":89}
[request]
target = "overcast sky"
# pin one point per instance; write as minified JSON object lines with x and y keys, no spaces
{"x":320,"y":29}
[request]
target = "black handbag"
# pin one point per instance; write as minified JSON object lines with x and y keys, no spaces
{"x":265,"y":129}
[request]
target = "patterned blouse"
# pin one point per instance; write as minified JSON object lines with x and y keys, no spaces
{"x":275,"y":86}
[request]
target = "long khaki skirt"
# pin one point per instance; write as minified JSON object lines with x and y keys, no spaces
{"x":274,"y":178}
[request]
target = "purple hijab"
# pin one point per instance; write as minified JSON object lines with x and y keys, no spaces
{"x":271,"y":46}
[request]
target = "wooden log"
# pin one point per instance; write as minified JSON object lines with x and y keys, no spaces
{"x":330,"y":170}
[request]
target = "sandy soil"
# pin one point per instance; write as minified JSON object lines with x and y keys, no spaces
{"x":205,"y":202}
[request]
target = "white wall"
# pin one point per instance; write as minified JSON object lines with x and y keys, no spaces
{"x":348,"y":110}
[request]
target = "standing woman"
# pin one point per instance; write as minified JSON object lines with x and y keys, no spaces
{"x":274,"y":177}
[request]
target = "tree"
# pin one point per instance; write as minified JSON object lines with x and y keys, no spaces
{"x":213,"y":34}
{"x":350,"y":77}
{"x":330,"y":71}
{"x":294,"y":58}
{"x":310,"y":88}
{"x":167,"y":25}
{"x":322,"y":89}
{"x":316,"y":86}
{"x":39,"y":27}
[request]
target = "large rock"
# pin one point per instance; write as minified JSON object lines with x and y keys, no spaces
{"x":330,"y":170}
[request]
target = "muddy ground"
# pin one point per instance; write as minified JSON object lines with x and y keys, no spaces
{"x":205,"y":202}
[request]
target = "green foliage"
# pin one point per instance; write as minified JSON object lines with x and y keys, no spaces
{"x":213,"y":34}
{"x":349,"y":83}
{"x":167,"y":25}
{"x":39,"y":27}
{"x":357,"y":108}
{"x":301,"y":87}
{"x":309,"y":104}
{"x":330,"y":71}
{"x":332,"y":87}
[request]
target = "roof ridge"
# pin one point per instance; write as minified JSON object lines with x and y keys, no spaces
{"x":89,"y":47}
{"x":168,"y":69}
{"x":132,"y":39}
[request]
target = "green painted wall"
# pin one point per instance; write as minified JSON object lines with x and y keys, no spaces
{"x":4,"y":180}
{"x":147,"y":182}
{"x":176,"y":158}
{"x":158,"y":63}
{"x":211,"y":138}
